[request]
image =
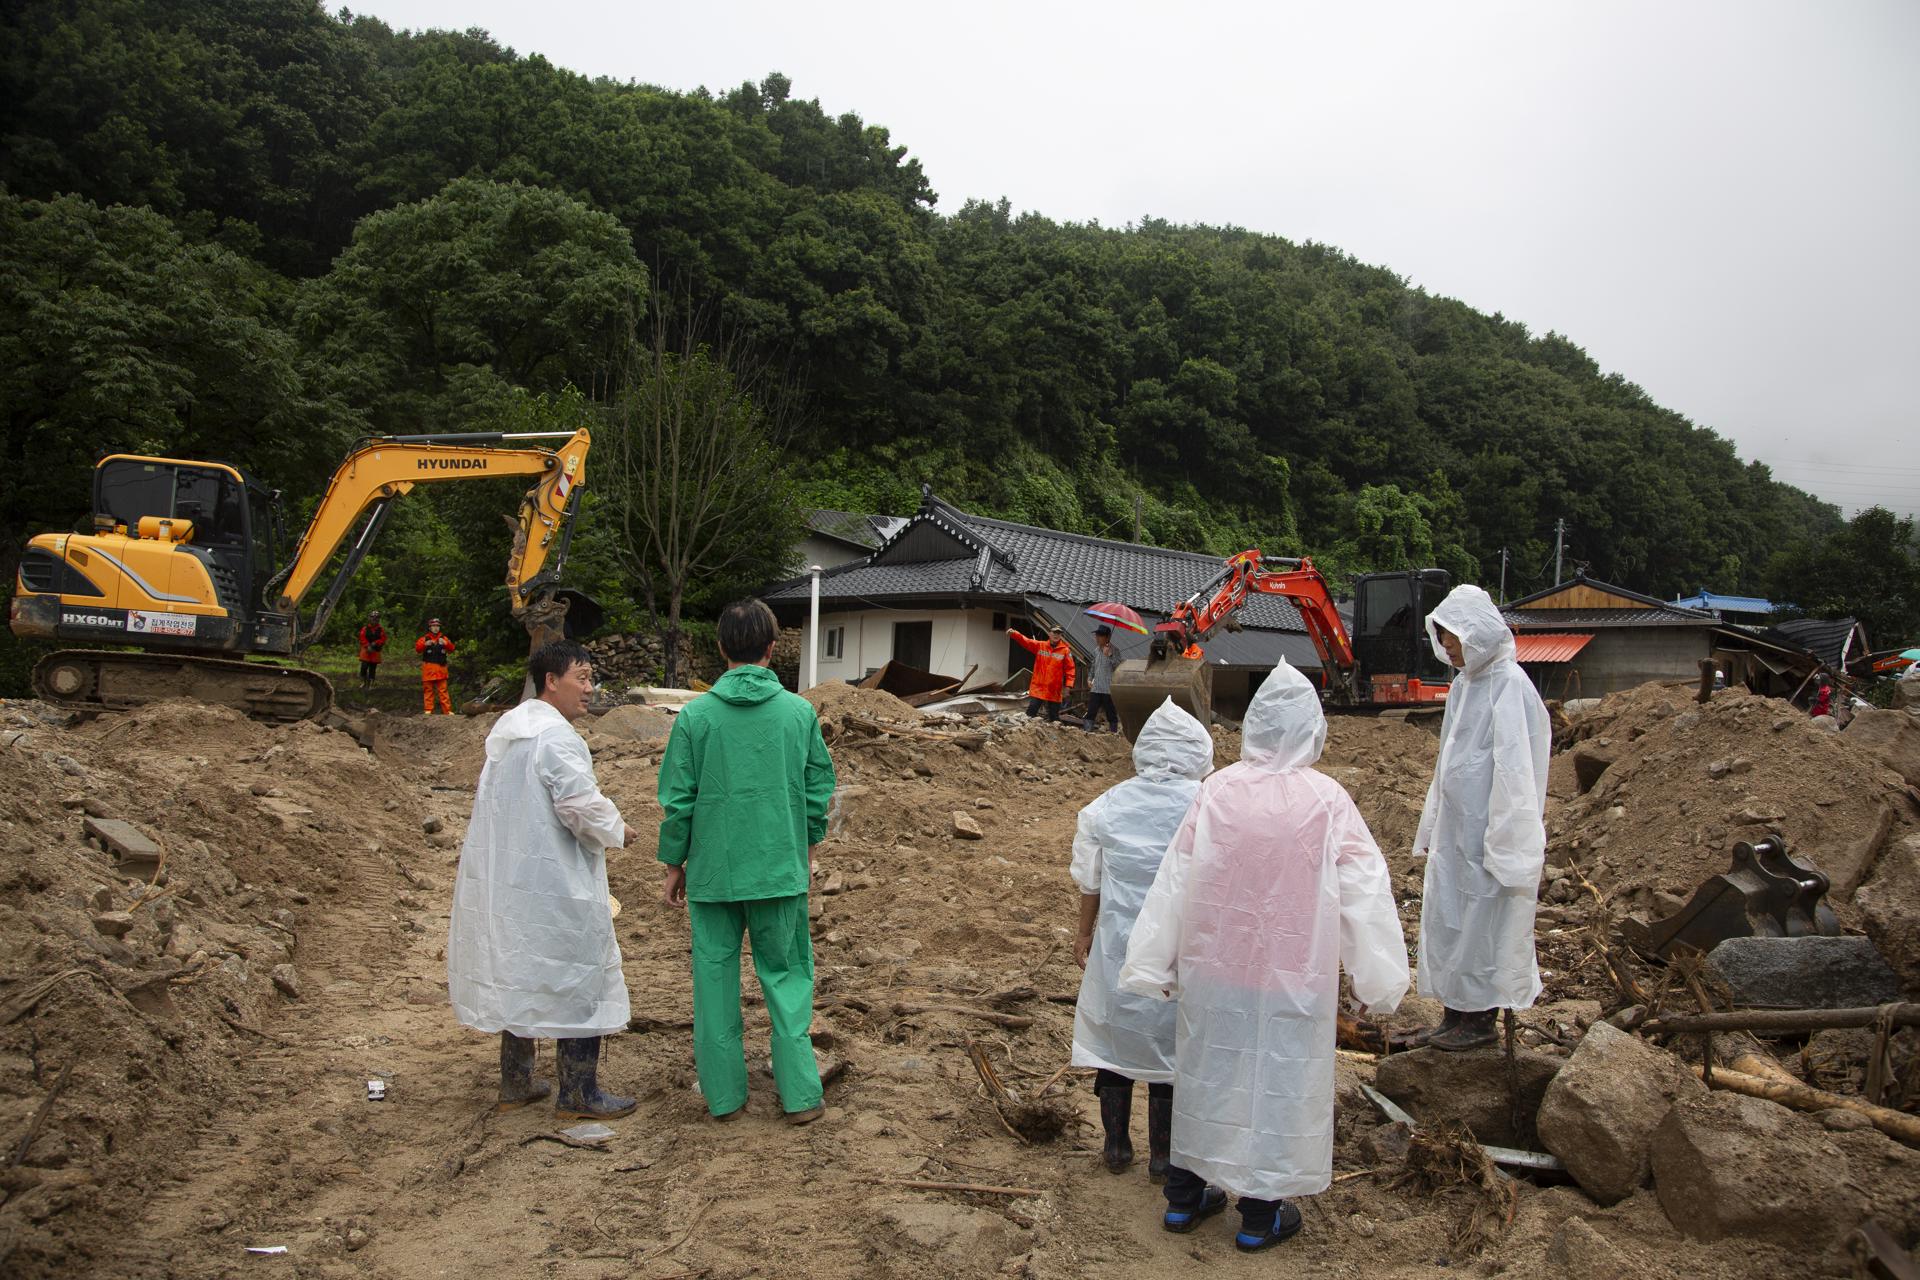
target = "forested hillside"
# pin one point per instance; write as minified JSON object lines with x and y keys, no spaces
{"x":255,"y":232}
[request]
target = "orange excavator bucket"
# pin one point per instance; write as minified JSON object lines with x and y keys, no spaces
{"x":1140,"y":685}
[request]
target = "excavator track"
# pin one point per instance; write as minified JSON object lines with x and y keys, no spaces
{"x":116,"y":680}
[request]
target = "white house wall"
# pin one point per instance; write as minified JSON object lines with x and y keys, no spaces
{"x":961,"y":638}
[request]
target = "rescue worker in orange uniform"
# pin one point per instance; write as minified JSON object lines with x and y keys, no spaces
{"x":1052,"y":672}
{"x":373,"y":638}
{"x":435,"y":649}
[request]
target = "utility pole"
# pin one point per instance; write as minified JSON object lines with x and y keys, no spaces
{"x":1559,"y":538}
{"x":1503,"y":575}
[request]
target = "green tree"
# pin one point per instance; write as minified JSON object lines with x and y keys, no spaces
{"x":1869,"y":570}
{"x":495,"y":281}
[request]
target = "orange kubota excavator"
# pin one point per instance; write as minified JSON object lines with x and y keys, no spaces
{"x":180,"y":564}
{"x":1387,"y":662}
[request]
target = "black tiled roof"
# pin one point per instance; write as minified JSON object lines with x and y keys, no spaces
{"x":943,"y":551}
{"x":852,"y":527}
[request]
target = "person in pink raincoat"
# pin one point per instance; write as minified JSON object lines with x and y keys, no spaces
{"x":1271,"y":885}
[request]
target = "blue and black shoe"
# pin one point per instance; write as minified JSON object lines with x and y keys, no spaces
{"x":1212,"y":1201}
{"x":1285,"y":1226}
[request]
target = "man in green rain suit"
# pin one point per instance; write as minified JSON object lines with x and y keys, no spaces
{"x":745,"y":784}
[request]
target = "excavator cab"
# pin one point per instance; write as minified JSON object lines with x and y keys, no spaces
{"x":1392,"y":653}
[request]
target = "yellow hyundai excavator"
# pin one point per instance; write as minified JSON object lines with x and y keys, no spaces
{"x":180,"y":565}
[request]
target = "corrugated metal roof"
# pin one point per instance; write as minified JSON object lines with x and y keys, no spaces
{"x":1549,"y":646}
{"x":1835,"y":642}
{"x":1726,"y":604}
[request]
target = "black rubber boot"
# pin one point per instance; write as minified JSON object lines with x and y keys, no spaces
{"x":1116,"y":1117}
{"x":517,"y":1085}
{"x":1159,"y":1135}
{"x":580,"y":1096}
{"x":1472,"y":1031}
{"x":1448,"y":1017}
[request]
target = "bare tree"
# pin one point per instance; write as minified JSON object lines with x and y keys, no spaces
{"x":694,"y":469}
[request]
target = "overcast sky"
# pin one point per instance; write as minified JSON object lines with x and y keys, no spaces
{"x":1719,"y":201}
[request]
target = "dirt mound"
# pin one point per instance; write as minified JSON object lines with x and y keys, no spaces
{"x":153,"y":988}
{"x":1690,"y":779}
{"x":835,"y":701}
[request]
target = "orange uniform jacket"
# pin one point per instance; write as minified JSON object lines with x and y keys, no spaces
{"x":434,"y":652}
{"x":1052,"y":667}
{"x":372,"y":640}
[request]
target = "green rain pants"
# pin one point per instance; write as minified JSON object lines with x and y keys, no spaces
{"x":783,"y":960}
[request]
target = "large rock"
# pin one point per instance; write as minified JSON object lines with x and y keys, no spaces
{"x":1470,"y":1089}
{"x":637,"y":723}
{"x":1894,"y":736}
{"x":1590,"y":760}
{"x":1803,"y":973}
{"x":1725,"y":1165}
{"x":1601,"y":1110}
{"x":1889,"y":904}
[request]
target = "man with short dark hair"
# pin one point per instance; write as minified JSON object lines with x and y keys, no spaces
{"x":745,"y":783}
{"x":530,"y":945}
{"x":1100,"y":684}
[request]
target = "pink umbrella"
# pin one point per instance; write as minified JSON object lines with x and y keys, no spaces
{"x":1119,"y":615}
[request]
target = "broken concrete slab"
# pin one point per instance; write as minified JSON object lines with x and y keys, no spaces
{"x":1601,"y":1110}
{"x":1471,"y":1089}
{"x":129,"y":845}
{"x":1803,"y":973}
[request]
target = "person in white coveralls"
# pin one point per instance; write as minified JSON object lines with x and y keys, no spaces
{"x":1483,"y":830}
{"x":1117,"y":849}
{"x":1271,"y":886}
{"x":530,"y":946}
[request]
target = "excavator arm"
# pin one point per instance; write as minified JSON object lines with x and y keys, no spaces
{"x":1296,"y":581}
{"x":385,"y":468}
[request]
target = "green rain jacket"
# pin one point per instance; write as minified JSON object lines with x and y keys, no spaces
{"x":745,"y":783}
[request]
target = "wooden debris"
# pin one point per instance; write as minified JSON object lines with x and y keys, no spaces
{"x":1801,"y":1097}
{"x":1013,"y":1020}
{"x":1899,"y":1015}
{"x":980,"y":1187}
{"x":39,"y":1117}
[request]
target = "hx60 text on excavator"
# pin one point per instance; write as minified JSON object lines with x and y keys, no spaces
{"x":1387,"y":662}
{"x":180,"y":565}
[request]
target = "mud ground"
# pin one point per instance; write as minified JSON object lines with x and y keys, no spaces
{"x":209,"y":1110}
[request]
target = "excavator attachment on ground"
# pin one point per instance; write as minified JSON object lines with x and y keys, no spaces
{"x":179,"y":571}
{"x":1387,"y":662}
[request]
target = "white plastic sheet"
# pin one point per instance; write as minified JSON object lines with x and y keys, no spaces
{"x":1117,"y":849}
{"x":1483,"y":827}
{"x":1272,"y":884}
{"x":530,"y":945}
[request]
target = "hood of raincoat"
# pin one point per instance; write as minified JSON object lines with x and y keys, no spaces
{"x":528,"y":720}
{"x":1172,"y":744}
{"x":1470,"y":613}
{"x":745,"y":686}
{"x":1284,"y":728}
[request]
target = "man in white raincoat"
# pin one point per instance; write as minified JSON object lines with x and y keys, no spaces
{"x":530,"y":946}
{"x":1271,"y":885}
{"x":1116,"y":852}
{"x":1482,"y":832}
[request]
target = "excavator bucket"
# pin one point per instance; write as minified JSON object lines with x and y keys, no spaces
{"x":1140,"y":685}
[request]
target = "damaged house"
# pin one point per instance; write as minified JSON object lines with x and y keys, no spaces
{"x":941,"y":592}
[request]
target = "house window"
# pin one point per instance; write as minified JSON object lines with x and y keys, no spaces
{"x":999,"y":622}
{"x":836,"y":642}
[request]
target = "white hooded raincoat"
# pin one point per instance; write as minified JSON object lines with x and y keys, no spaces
{"x":1483,"y":827}
{"x":1271,"y":885}
{"x":530,"y":946}
{"x":1116,"y":851}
